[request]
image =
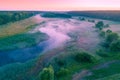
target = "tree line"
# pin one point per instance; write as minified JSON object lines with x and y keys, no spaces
{"x":12,"y":16}
{"x":108,"y":15}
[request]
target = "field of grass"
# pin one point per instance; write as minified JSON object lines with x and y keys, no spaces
{"x":17,"y":27}
{"x":21,"y":40}
{"x":108,"y":70}
{"x":112,"y":77}
{"x":17,"y":35}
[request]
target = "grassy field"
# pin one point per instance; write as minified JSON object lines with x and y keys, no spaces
{"x":112,"y":77}
{"x":17,"y":27}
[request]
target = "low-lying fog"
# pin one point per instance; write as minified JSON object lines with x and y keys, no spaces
{"x":57,"y":29}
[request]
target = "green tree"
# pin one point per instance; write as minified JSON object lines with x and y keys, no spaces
{"x":99,"y":25}
{"x":102,"y":33}
{"x":108,"y":31}
{"x":62,"y":72}
{"x":111,"y":37}
{"x":115,"y":45}
{"x":46,"y":74}
{"x":83,"y":57}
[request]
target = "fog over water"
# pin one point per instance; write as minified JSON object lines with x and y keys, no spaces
{"x":58,"y":30}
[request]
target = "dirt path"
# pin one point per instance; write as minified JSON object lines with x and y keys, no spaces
{"x":83,"y":73}
{"x":80,"y":75}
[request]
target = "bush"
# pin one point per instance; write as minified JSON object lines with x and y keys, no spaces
{"x":100,"y":25}
{"x":115,"y":45}
{"x":108,"y":31}
{"x":82,"y":18}
{"x":46,"y":74}
{"x":83,"y":57}
{"x":62,"y":72}
{"x":102,"y":33}
{"x":91,"y":20}
{"x":107,"y":25}
{"x":101,"y":53}
{"x":60,"y":62}
{"x":111,"y":37}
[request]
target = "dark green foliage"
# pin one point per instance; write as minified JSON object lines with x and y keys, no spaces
{"x":56,"y":15}
{"x":107,"y":25}
{"x":101,"y":53}
{"x":108,"y":31}
{"x":115,"y":45}
{"x":102,"y":33}
{"x":108,"y":15}
{"x":111,"y":37}
{"x":62,"y":72}
{"x":46,"y":74}
{"x":99,"y":25}
{"x":16,"y":71}
{"x":21,"y":40}
{"x":6,"y":17}
{"x":90,"y":20}
{"x":82,"y":18}
{"x":60,"y":62}
{"x":83,"y":57}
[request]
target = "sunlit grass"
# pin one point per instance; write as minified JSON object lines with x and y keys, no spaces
{"x":17,"y":27}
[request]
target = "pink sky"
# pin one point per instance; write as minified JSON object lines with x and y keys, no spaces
{"x":59,"y":5}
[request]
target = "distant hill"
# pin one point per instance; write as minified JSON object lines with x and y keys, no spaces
{"x":108,"y":15}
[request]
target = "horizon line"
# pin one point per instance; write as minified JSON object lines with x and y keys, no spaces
{"x":61,"y":10}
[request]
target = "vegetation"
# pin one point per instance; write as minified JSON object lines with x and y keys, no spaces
{"x":107,"y":15}
{"x":70,"y":60}
{"x":83,"y":57}
{"x":6,"y":17}
{"x":100,"y":25}
{"x":82,"y":18}
{"x":18,"y":27}
{"x":56,"y":15}
{"x":62,"y":72}
{"x":90,"y":20}
{"x":115,"y":45}
{"x":46,"y":74}
{"x":21,"y":40}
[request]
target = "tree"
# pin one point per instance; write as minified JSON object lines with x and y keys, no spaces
{"x":83,"y":57}
{"x":111,"y":37}
{"x":46,"y":74}
{"x":100,"y":25}
{"x":62,"y":72}
{"x":102,"y":33}
{"x":82,"y":18}
{"x":115,"y":45}
{"x":108,"y":31}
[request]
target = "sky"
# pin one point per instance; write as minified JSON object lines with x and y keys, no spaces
{"x":59,"y":5}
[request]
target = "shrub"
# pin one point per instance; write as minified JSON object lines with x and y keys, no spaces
{"x":99,"y":25}
{"x":102,"y":33}
{"x":82,"y":18}
{"x":60,"y":62}
{"x":115,"y":45}
{"x":46,"y":74}
{"x":107,"y":25}
{"x":83,"y":57}
{"x":108,"y":31}
{"x":101,"y":53}
{"x":111,"y":37}
{"x":62,"y":72}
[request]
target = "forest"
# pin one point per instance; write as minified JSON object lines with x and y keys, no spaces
{"x":8,"y":16}
{"x":108,"y":15}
